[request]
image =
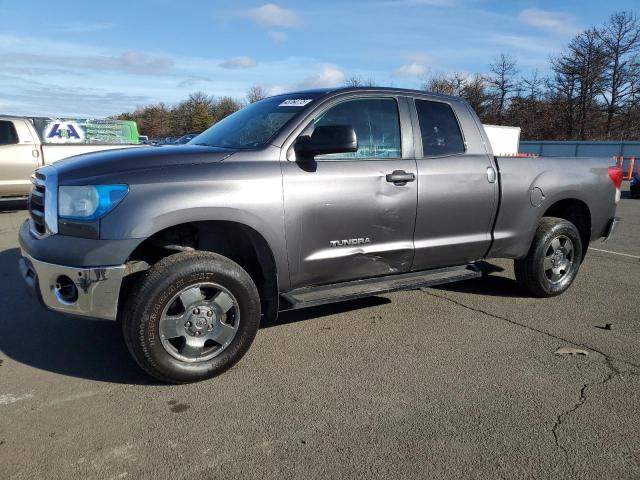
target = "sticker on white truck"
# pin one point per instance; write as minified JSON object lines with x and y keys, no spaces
{"x":86,"y":131}
{"x":63,"y":132}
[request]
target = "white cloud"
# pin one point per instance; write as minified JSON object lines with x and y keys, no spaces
{"x":417,"y":66}
{"x":549,"y":20}
{"x":272,"y":15}
{"x":278,"y":36}
{"x":328,"y":76}
{"x":413,"y":69}
{"x":238,"y":62}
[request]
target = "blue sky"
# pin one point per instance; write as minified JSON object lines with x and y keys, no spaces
{"x":101,"y":58}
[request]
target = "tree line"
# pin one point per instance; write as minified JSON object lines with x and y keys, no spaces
{"x":591,"y":93}
{"x":193,"y":115}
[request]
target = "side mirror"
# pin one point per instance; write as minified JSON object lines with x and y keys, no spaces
{"x":327,"y":139}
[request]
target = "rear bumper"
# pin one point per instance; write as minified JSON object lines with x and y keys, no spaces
{"x":88,"y":292}
{"x":611,"y":227}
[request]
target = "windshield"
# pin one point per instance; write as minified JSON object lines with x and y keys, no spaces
{"x":255,"y":124}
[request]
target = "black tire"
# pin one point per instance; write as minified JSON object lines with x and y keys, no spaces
{"x":150,"y":298}
{"x":530,"y":271}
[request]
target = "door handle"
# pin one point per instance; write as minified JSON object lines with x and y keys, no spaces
{"x":400,"y":177}
{"x":491,"y":175}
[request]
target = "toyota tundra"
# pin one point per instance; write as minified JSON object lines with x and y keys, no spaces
{"x":297,"y":200}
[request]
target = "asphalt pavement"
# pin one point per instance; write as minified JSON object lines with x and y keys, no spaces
{"x":454,"y":382}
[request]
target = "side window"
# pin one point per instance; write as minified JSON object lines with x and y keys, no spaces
{"x":439,"y":128}
{"x":377,"y":125}
{"x":8,"y":135}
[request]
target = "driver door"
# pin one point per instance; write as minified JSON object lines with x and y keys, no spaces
{"x":345,"y":218}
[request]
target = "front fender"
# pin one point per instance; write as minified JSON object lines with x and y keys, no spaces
{"x":202,"y":193}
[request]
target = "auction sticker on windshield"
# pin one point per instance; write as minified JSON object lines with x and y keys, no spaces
{"x":295,"y":102}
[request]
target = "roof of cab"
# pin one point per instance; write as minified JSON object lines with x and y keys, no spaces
{"x":394,"y":90}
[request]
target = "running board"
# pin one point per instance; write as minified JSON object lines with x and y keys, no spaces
{"x":339,"y":292}
{"x":24,"y":198}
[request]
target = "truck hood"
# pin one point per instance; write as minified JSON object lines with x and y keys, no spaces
{"x":127,"y":159}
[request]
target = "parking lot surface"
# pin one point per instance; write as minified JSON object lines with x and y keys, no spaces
{"x":457,"y":382}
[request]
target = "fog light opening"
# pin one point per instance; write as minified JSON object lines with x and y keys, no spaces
{"x":65,"y":290}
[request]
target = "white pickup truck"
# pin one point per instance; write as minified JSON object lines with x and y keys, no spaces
{"x":23,"y":150}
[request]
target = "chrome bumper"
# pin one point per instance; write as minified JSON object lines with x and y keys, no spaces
{"x":89,"y":292}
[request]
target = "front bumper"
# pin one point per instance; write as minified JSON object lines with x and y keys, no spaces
{"x":96,"y":289}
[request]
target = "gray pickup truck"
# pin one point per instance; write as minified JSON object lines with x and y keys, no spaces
{"x":298,"y":200}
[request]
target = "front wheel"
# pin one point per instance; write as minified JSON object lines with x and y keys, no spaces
{"x":193,"y":316}
{"x":553,"y":260}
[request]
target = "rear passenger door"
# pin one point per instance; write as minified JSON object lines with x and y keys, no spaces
{"x":346,"y":215}
{"x":457,"y":188}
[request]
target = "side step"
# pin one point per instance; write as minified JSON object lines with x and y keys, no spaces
{"x":339,"y":292}
{"x":24,"y":198}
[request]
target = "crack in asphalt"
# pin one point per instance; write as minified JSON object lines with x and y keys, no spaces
{"x":613,"y":372}
{"x":608,"y":360}
{"x":533,"y":329}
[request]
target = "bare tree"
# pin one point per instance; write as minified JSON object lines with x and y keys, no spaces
{"x":620,"y":43}
{"x":452,"y":84}
{"x":358,"y":81}
{"x":256,"y":93}
{"x":563,"y":87}
{"x":473,"y":88}
{"x":579,"y":78}
{"x":533,"y":85}
{"x":475,"y":91}
{"x":502,"y":81}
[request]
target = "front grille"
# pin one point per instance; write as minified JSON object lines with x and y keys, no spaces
{"x":37,"y":204}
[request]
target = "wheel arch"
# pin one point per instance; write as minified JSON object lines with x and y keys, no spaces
{"x":575,"y":211}
{"x":235,"y":240}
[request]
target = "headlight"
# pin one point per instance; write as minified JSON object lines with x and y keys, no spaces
{"x":89,"y":202}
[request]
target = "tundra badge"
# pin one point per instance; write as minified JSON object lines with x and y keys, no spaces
{"x":351,"y":241}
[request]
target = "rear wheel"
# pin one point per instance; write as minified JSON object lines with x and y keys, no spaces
{"x":553,"y":260}
{"x":192,"y":316}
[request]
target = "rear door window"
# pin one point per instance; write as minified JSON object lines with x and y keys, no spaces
{"x":439,"y":129}
{"x":8,"y":135}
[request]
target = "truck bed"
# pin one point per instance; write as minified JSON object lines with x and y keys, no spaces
{"x":530,"y":186}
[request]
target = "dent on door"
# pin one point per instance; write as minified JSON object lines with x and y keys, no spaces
{"x":346,"y":221}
